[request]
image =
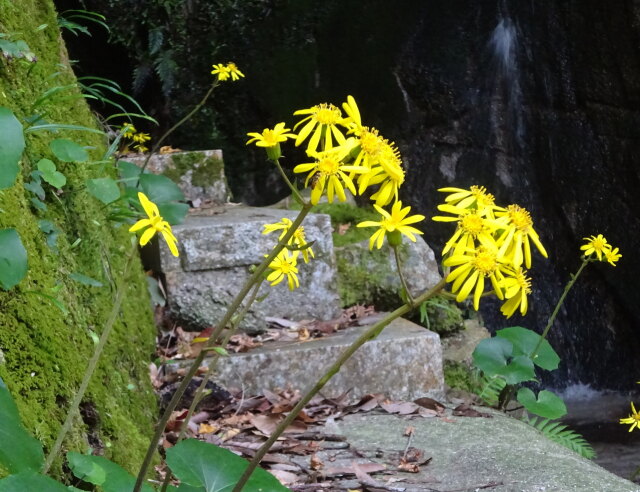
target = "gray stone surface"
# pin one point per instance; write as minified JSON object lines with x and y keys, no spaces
{"x":373,"y":274}
{"x":215,"y":255}
{"x":404,"y":362}
{"x":499,"y":454}
{"x":459,"y":347}
{"x":199,"y":174}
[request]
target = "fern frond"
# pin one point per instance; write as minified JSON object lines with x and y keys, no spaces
{"x":564,"y":436}
{"x":491,"y":387}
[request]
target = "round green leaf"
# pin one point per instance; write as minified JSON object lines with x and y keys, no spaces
{"x":159,"y":188}
{"x":104,"y":189}
{"x":518,"y":370}
{"x":86,"y":469}
{"x":547,"y":405}
{"x":491,"y":355}
{"x":100,"y":471}
{"x":49,"y":173}
{"x":11,"y":147}
{"x":68,"y":151}
{"x":30,"y":481}
{"x":13,"y":259}
{"x":524,"y":343}
{"x":202,"y":464}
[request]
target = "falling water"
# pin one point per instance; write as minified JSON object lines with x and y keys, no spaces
{"x":506,"y":96}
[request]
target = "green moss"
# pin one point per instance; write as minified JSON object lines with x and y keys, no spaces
{"x":459,"y":376}
{"x":206,"y":170}
{"x":443,"y":316}
{"x":46,"y":351}
{"x":344,"y":214}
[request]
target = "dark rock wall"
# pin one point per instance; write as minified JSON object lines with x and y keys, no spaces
{"x":537,"y":101}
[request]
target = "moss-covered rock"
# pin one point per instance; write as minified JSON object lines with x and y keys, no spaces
{"x":45,"y":350}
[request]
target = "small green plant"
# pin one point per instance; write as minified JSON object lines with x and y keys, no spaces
{"x":559,"y":433}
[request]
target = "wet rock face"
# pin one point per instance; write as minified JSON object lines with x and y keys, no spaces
{"x":539,"y":103}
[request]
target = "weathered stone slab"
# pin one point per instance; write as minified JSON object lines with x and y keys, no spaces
{"x":404,"y":362}
{"x":199,"y":174}
{"x":216,"y":253}
{"x":500,"y":454}
{"x":371,"y":276}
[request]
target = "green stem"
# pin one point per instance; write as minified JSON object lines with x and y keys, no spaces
{"x":403,"y":281}
{"x":93,"y":363}
{"x":552,"y":318}
{"x":295,"y":192}
{"x":212,"y":365}
{"x":367,"y":335}
{"x":197,"y":107}
{"x":255,"y":277}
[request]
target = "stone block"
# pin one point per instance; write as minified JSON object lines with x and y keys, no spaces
{"x":404,"y":362}
{"x":216,"y":253}
{"x":370,"y":277}
{"x":199,"y":174}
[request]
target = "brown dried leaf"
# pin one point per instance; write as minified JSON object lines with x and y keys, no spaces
{"x":401,"y":408}
{"x":464,"y":410}
{"x":409,"y":431}
{"x":366,"y":403}
{"x":242,"y":342}
{"x":207,"y":428}
{"x":349,"y":470}
{"x":285,"y":477}
{"x":343,"y":228}
{"x":266,"y":424}
{"x":408,"y":467}
{"x":430,"y":404}
{"x":315,"y":463}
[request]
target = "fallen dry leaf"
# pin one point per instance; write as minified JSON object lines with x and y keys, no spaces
{"x":464,"y":410}
{"x":401,"y":408}
{"x":430,"y":404}
{"x":343,"y":228}
{"x":268,"y":423}
{"x":409,"y":431}
{"x":315,"y":463}
{"x":285,"y":477}
{"x":207,"y":429}
{"x":349,"y":470}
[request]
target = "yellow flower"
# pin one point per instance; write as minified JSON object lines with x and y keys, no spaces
{"x":518,"y":230}
{"x":271,"y":138}
{"x":128,"y":130}
{"x":516,"y":287}
{"x":329,"y":171}
{"x":394,"y":223}
{"x":353,"y":121}
{"x":141,"y":148}
{"x":224,"y":72}
{"x":612,"y":256}
{"x":391,"y":165}
{"x":597,"y":245}
{"x":284,"y":265}
{"x":633,"y":419}
{"x":221,"y":71}
{"x":324,"y":118}
{"x":472,"y":227}
{"x":232,"y":69}
{"x":472,"y":269}
{"x":154,"y":223}
{"x":476,"y":197}
{"x":298,"y":239}
{"x":141,"y":137}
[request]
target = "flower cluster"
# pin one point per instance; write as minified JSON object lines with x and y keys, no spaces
{"x":152,"y":224}
{"x":226,"y":72}
{"x":490,"y":243}
{"x":597,"y":248}
{"x":633,"y":419}
{"x":285,"y":264}
{"x":139,"y":139}
{"x":344,"y":155}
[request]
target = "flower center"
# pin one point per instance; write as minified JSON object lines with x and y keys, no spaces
{"x":327,"y":114}
{"x":156,"y":222}
{"x":472,"y":223}
{"x":270,"y":138}
{"x":520,"y":217}
{"x":483,"y":199}
{"x":286,"y":267}
{"x":370,"y":141}
{"x":485,"y":262}
{"x":328,"y":166}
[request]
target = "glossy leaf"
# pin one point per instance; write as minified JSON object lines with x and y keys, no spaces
{"x":116,"y":478}
{"x":159,"y":188}
{"x":31,"y":481}
{"x":202,"y":464}
{"x":19,"y":451}
{"x":518,"y":370}
{"x":11,"y":147}
{"x":13,"y":259}
{"x":547,"y":404}
{"x":524,"y":343}
{"x":68,"y":150}
{"x":492,"y":354}
{"x":104,"y":189}
{"x":172,"y":212}
{"x":50,"y":174}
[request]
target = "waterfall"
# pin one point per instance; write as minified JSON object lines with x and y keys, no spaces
{"x":506,"y":95}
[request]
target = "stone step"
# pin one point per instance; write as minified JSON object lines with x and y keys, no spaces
{"x":216,"y":253}
{"x":404,"y":362}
